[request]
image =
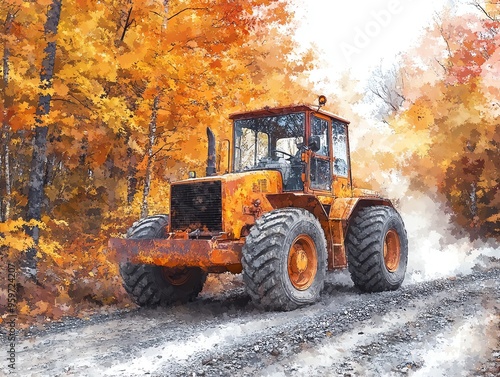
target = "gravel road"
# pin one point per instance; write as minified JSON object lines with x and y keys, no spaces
{"x":444,"y":327}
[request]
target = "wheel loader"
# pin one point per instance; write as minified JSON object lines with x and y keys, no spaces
{"x":283,"y":212}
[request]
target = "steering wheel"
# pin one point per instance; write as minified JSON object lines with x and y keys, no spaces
{"x":285,"y":153}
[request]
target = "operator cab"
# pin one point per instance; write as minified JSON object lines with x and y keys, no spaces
{"x":308,"y":146}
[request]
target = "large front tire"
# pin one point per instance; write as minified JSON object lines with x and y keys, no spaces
{"x":377,"y":249}
{"x":150,"y":285}
{"x":284,"y":260}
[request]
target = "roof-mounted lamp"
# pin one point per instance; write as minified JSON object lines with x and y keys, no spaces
{"x":321,"y":101}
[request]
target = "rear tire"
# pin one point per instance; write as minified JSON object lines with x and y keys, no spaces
{"x":150,"y":285}
{"x":284,"y":260}
{"x":377,"y":249}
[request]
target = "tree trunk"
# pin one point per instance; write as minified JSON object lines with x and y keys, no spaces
{"x":131,"y":178}
{"x":6,"y":172}
{"x":5,"y":136}
{"x":150,"y":154}
{"x":165,"y":10}
{"x":38,"y":161}
{"x":152,"y":136}
{"x":473,"y":202}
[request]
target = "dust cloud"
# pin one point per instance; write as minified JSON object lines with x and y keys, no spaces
{"x":433,"y":250}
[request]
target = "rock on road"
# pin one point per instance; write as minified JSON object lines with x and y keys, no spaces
{"x":446,"y":327}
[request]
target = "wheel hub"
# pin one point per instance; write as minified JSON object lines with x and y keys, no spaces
{"x":302,"y":262}
{"x":299,"y":261}
{"x":176,"y":276}
{"x":392,"y":250}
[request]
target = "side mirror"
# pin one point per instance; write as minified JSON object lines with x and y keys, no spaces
{"x":315,"y":143}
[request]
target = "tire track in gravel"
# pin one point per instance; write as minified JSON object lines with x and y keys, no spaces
{"x":450,"y":339}
{"x":271,"y":354}
{"x":84,"y":347}
{"x":431,"y":338}
{"x":251,"y":325}
{"x":145,"y":337}
{"x":227,"y":336}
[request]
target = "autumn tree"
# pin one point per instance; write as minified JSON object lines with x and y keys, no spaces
{"x":445,"y":136}
{"x":6,"y":185}
{"x":38,"y":161}
{"x":103,"y":107}
{"x":386,"y":87}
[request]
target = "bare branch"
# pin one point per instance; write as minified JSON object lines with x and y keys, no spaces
{"x":128,"y":23}
{"x":481,"y":8}
{"x":442,"y":65}
{"x":168,"y":146}
{"x":387,"y":85}
{"x":184,"y":10}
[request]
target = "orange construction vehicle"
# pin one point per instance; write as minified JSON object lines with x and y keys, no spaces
{"x":283,"y":213}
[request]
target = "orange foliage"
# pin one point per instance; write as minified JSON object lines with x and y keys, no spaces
{"x":202,"y":58}
{"x":445,"y":137}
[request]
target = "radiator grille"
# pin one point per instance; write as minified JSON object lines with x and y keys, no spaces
{"x":196,"y":205}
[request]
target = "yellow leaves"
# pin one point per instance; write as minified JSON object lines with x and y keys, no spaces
{"x":45,"y":2}
{"x":494,"y":218}
{"x":18,"y":242}
{"x":419,"y":116}
{"x":16,"y":225}
{"x":50,"y":248}
{"x":450,"y":121}
{"x":132,"y":143}
{"x":47,"y":219}
{"x":114,"y":112}
{"x":127,"y":60}
{"x":13,"y":235}
{"x":67,"y":120}
{"x":24,"y":308}
{"x":60,"y":88}
{"x":90,"y":25}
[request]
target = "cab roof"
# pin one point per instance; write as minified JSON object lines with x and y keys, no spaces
{"x":270,"y":111}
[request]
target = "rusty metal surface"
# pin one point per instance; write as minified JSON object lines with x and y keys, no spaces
{"x":342,"y":187}
{"x":339,"y":257}
{"x":177,"y":252}
{"x":306,"y":201}
{"x":342,"y":208}
{"x":244,"y":198}
{"x":365,"y":193}
{"x":285,"y":110}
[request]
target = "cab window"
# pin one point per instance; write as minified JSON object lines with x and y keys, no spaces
{"x":320,"y":173}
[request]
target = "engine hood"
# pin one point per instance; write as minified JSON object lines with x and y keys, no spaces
{"x":228,"y":203}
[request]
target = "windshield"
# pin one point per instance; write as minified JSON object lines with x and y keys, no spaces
{"x":272,"y":142}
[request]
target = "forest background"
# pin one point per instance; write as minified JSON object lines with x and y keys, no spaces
{"x":104,"y":103}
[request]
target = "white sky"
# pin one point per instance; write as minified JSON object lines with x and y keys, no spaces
{"x":358,"y":34}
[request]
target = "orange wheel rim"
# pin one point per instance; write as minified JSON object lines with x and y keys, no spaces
{"x":392,"y":250}
{"x":302,"y":262}
{"x":176,"y":276}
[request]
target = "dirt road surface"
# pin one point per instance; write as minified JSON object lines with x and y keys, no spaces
{"x":444,"y":327}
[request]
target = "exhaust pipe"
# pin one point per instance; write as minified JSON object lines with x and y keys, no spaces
{"x":211,"y":153}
